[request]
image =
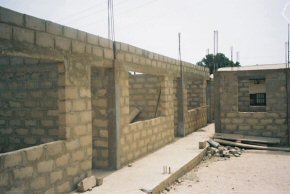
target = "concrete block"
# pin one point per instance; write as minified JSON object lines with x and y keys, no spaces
{"x":202,"y":144}
{"x":5,"y":31}
{"x":72,"y":170}
{"x":63,"y":188}
{"x":62,"y":160}
{"x":78,"y":47}
{"x":47,"y":123}
{"x":266,"y":121}
{"x":86,"y":165}
{"x":23,"y":35}
{"x":92,"y":39}
{"x":100,"y":143}
{"x":70,"y":32}
{"x":34,"y":154}
{"x":98,"y":51}
{"x":53,"y":28}
{"x":71,"y":93}
{"x":85,"y":140}
{"x":82,"y":36}
{"x":34,"y":23}
{"x":79,"y":105}
{"x":86,"y":116}
{"x":89,"y":49}
{"x":12,"y":160}
{"x":38,"y":183}
{"x":9,"y":16}
{"x":56,"y":176}
{"x":63,"y":43}
{"x":50,"y":191}
{"x":108,"y":53}
{"x":30,"y":140}
{"x":78,"y":156}
{"x":4,"y":179}
{"x":87,"y":184}
{"x":55,"y":148}
{"x":45,"y":166}
{"x":104,"y":133}
{"x":106,"y":43}
{"x":44,"y":39}
{"x":84,"y":92}
{"x":21,"y":173}
{"x":72,"y":145}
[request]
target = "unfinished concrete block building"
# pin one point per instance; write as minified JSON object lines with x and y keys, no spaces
{"x":65,"y":104}
{"x":254,"y":101}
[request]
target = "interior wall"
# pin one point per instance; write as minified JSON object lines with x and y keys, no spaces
{"x":100,"y":93}
{"x":144,"y":94}
{"x":195,"y":93}
{"x":28,"y":103}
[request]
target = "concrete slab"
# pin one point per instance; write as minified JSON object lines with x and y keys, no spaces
{"x":147,"y":172}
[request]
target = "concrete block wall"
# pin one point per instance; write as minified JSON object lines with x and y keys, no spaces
{"x":175,"y":105}
{"x":54,"y":167}
{"x":100,"y":92}
{"x":144,"y":92}
{"x":195,"y":103}
{"x":195,"y":93}
{"x":270,"y":122}
{"x":29,"y":103}
{"x":136,"y":137}
{"x":195,"y":119}
{"x":62,"y":164}
{"x":210,"y":100}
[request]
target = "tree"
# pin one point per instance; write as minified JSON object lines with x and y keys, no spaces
{"x":217,"y":61}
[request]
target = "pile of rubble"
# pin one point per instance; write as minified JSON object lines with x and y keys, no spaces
{"x":218,"y":150}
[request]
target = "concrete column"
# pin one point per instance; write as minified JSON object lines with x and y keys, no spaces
{"x":208,"y":101}
{"x":114,"y":137}
{"x":181,"y":108}
{"x":217,"y":102}
{"x":288,"y":101}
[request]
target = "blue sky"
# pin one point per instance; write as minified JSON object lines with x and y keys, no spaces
{"x":255,"y":28}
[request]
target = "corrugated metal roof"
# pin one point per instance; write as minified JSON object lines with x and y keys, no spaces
{"x":254,"y":67}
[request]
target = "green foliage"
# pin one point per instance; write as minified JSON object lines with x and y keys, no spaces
{"x":217,"y":61}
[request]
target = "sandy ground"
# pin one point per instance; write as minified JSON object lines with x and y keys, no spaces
{"x":254,"y":172}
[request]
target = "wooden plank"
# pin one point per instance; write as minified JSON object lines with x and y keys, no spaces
{"x":246,"y":138}
{"x":134,"y":113}
{"x":243,"y":145}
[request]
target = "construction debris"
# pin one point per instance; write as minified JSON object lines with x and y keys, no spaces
{"x":213,"y":143}
{"x":247,"y":138}
{"x":87,"y":184}
{"x":243,"y":145}
{"x":202,"y":144}
{"x":134,"y":113}
{"x":218,"y":150}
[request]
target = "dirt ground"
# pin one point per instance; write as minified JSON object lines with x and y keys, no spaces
{"x":254,"y":172}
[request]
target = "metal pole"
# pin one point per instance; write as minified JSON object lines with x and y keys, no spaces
{"x":288,"y":45}
{"x":286,"y":54}
{"x":217,"y":42}
{"x":288,"y":87}
{"x":232,"y":53}
{"x":180,"y":128}
{"x":214,"y":48}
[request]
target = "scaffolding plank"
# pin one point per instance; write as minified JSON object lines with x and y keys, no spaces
{"x":247,"y":138}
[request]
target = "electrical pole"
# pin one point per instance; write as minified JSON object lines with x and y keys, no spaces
{"x":215,"y":46}
{"x":238,"y":56}
{"x":286,"y":54}
{"x":288,"y":65}
{"x":232,"y":50}
{"x":217,"y":42}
